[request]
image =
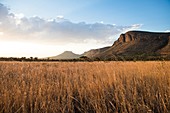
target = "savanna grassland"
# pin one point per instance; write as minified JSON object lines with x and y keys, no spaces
{"x":85,"y":87}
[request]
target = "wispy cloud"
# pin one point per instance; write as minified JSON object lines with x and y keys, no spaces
{"x":56,"y":31}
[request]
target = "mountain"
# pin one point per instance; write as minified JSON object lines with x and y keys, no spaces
{"x":135,"y":43}
{"x":94,"y":52}
{"x":66,"y":55}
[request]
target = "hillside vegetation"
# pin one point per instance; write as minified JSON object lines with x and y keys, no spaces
{"x":85,"y":87}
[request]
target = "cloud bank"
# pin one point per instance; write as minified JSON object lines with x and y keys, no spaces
{"x":56,"y":31}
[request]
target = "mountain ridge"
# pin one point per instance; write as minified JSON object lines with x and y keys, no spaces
{"x":134,"y":43}
{"x":130,"y":44}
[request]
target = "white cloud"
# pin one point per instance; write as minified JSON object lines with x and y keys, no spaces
{"x":18,"y":18}
{"x":57,"y":31}
{"x":60,"y":17}
{"x":135,"y":26}
{"x":20,"y":15}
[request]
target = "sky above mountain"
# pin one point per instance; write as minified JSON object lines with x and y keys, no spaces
{"x":48,"y":27}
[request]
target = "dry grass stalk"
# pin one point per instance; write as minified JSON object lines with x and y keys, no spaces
{"x":95,"y":87}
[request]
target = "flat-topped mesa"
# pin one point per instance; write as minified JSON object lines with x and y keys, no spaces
{"x":140,"y":35}
{"x":136,"y":43}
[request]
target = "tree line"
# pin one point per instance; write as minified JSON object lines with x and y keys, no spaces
{"x":85,"y":58}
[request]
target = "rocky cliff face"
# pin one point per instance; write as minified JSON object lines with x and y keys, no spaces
{"x":125,"y":38}
{"x":141,"y":35}
{"x":137,"y":43}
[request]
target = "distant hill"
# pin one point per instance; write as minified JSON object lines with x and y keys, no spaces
{"x":135,"y":43}
{"x":66,"y":55}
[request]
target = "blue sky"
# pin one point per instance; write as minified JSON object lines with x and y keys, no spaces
{"x":153,"y":14}
{"x":60,"y":25}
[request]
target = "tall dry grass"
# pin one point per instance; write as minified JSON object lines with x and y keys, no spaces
{"x":95,"y":87}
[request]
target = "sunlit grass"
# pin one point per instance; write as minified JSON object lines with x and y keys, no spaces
{"x":87,"y":87}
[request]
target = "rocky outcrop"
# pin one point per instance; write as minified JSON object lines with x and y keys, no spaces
{"x":125,"y":38}
{"x":166,"y":49}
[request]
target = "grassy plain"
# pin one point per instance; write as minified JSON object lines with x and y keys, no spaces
{"x":85,"y":87}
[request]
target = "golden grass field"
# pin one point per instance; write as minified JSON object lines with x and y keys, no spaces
{"x":85,"y":87}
